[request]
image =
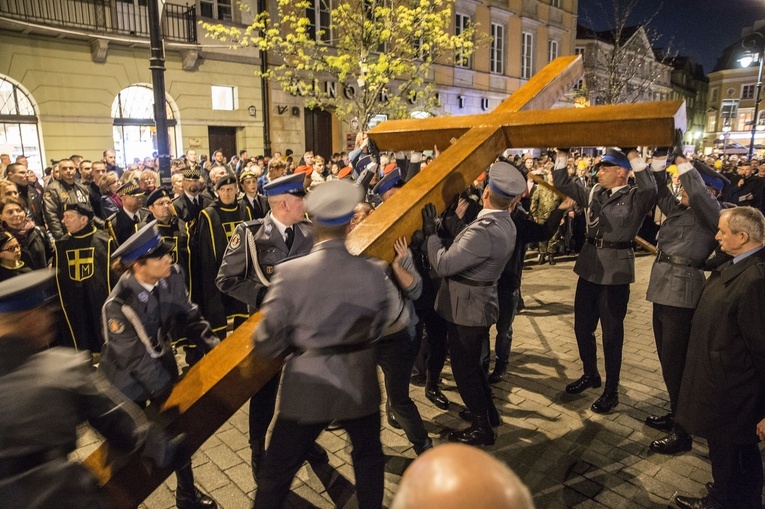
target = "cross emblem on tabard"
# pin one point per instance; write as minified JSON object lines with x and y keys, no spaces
{"x":80,"y":263}
{"x":219,"y":384}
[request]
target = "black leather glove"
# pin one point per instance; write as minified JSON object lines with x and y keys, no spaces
{"x":372,"y":150}
{"x":418,"y":238}
{"x":661,"y":152}
{"x":160,"y":449}
{"x":429,"y":220}
{"x":677,"y":148}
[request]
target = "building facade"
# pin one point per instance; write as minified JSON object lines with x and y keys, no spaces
{"x":621,"y":67}
{"x":75,"y":79}
{"x":731,"y":97}
{"x":690,"y":84}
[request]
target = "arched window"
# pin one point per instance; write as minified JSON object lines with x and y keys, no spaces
{"x":19,"y":130}
{"x":135,"y":135}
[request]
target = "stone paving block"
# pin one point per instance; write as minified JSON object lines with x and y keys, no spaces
{"x":234,"y":439}
{"x":223,"y":457}
{"x":231,"y":496}
{"x":241,"y":475}
{"x":210,"y":477}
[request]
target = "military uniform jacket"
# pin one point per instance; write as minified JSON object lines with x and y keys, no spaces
{"x":258,"y":207}
{"x":84,"y":279}
{"x":327,"y":298}
{"x":723,"y":388}
{"x":176,"y":234}
{"x":45,"y":396}
{"x":214,"y":230}
{"x":239,"y":277}
{"x":57,"y":193}
{"x":139,"y":327}
{"x":478,"y":255}
{"x":688,"y":233}
{"x":121,"y":226}
{"x":614,"y":219}
{"x":543,"y":202}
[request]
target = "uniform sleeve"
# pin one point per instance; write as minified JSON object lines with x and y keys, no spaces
{"x":646,"y":192}
{"x":232,"y":276}
{"x":414,"y":290}
{"x":110,"y":412}
{"x":665,"y":199}
{"x":52,"y":201}
{"x":198,"y":330}
{"x":705,"y":207}
{"x":565,"y":184}
{"x":131,"y":355}
{"x":274,"y":333}
{"x":470,"y":250}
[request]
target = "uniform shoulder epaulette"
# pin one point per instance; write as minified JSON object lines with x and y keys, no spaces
{"x":253,"y":222}
{"x":487,"y":221}
{"x":122,"y":296}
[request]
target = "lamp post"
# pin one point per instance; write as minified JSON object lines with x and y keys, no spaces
{"x":755,"y":41}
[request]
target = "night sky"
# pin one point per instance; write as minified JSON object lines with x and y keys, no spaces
{"x":701,"y":28}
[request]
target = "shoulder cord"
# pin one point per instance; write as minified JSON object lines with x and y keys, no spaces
{"x":254,"y":256}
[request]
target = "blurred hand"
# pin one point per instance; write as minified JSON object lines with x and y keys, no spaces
{"x":401,"y":248}
{"x":566,"y":204}
{"x":462,"y":206}
{"x":429,"y":219}
{"x":761,"y":430}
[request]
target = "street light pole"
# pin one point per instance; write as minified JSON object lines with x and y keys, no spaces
{"x":754,"y":40}
{"x":157,"y":67}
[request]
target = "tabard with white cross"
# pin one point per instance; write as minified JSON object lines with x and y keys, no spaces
{"x":229,"y":375}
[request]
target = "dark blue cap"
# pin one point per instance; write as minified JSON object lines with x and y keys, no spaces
{"x":27,"y":291}
{"x":157,"y":194}
{"x":288,"y":184}
{"x":391,"y":180}
{"x":615,"y":157}
{"x":146,"y":242}
{"x":225,"y":181}
{"x":506,"y":180}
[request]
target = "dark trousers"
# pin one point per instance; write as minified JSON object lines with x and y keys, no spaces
{"x":465,"y":345}
{"x":395,"y":356}
{"x":672,"y":331}
{"x":508,"y":296}
{"x":290,"y":443}
{"x":607,"y":304}
{"x":737,"y":473}
{"x":433,"y":348}
{"x":262,"y":407}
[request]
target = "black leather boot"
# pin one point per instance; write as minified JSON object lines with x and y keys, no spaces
{"x":479,"y":433}
{"x":498,"y":374}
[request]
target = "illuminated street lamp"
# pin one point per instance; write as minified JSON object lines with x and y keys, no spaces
{"x":754,"y":41}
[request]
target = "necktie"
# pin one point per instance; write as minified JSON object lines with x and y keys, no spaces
{"x":135,"y":219}
{"x":290,"y":236}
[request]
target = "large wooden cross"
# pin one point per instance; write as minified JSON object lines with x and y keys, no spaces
{"x":229,"y":375}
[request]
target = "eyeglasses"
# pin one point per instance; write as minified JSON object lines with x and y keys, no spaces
{"x":17,"y":247}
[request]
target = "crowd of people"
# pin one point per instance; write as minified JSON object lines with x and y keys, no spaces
{"x":144,"y":270}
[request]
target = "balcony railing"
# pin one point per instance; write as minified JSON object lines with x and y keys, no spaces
{"x":105,"y":16}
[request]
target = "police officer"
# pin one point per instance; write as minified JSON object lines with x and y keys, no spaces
{"x":147,"y":308}
{"x":46,"y":394}
{"x":686,"y":239}
{"x":255,"y":249}
{"x":467,"y":298}
{"x":125,"y":222}
{"x":606,"y":265}
{"x":84,"y":277}
{"x":329,"y":306}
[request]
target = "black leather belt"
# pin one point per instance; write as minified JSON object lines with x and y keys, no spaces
{"x":17,"y":465}
{"x":661,"y":256}
{"x":600,"y":243}
{"x":470,"y":282}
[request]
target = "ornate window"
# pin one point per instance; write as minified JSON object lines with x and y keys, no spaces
{"x":134,"y":131}
{"x":19,"y":129}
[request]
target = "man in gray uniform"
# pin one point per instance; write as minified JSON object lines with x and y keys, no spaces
{"x":256,"y":247}
{"x":686,"y":239}
{"x":606,"y":265}
{"x":46,"y":394}
{"x":467,"y":297}
{"x":332,"y":375}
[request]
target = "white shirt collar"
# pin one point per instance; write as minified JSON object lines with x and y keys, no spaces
{"x":279,"y":225}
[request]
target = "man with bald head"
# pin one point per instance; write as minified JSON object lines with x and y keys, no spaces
{"x":455,"y":476}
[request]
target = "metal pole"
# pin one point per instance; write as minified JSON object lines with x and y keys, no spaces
{"x":265,"y":92}
{"x":157,"y":67}
{"x":756,"y":105}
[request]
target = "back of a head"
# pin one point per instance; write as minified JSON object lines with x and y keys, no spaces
{"x":456,"y":476}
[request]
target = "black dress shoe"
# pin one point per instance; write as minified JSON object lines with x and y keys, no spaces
{"x":418,"y":380}
{"x":662,"y":423}
{"x":392,"y":422}
{"x":421,"y":449}
{"x":494,"y":419}
{"x":479,"y":433}
{"x":552,"y":259}
{"x":585,"y":382}
{"x":317,"y":455}
{"x":437,"y":398}
{"x":196,"y":500}
{"x":695,"y":503}
{"x":541,"y":259}
{"x":606,"y":402}
{"x":498,"y":374}
{"x":673,"y":443}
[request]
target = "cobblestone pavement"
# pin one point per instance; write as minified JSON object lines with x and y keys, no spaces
{"x":566,"y":454}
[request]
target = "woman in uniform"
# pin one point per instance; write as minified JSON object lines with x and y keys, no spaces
{"x":146,"y":310}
